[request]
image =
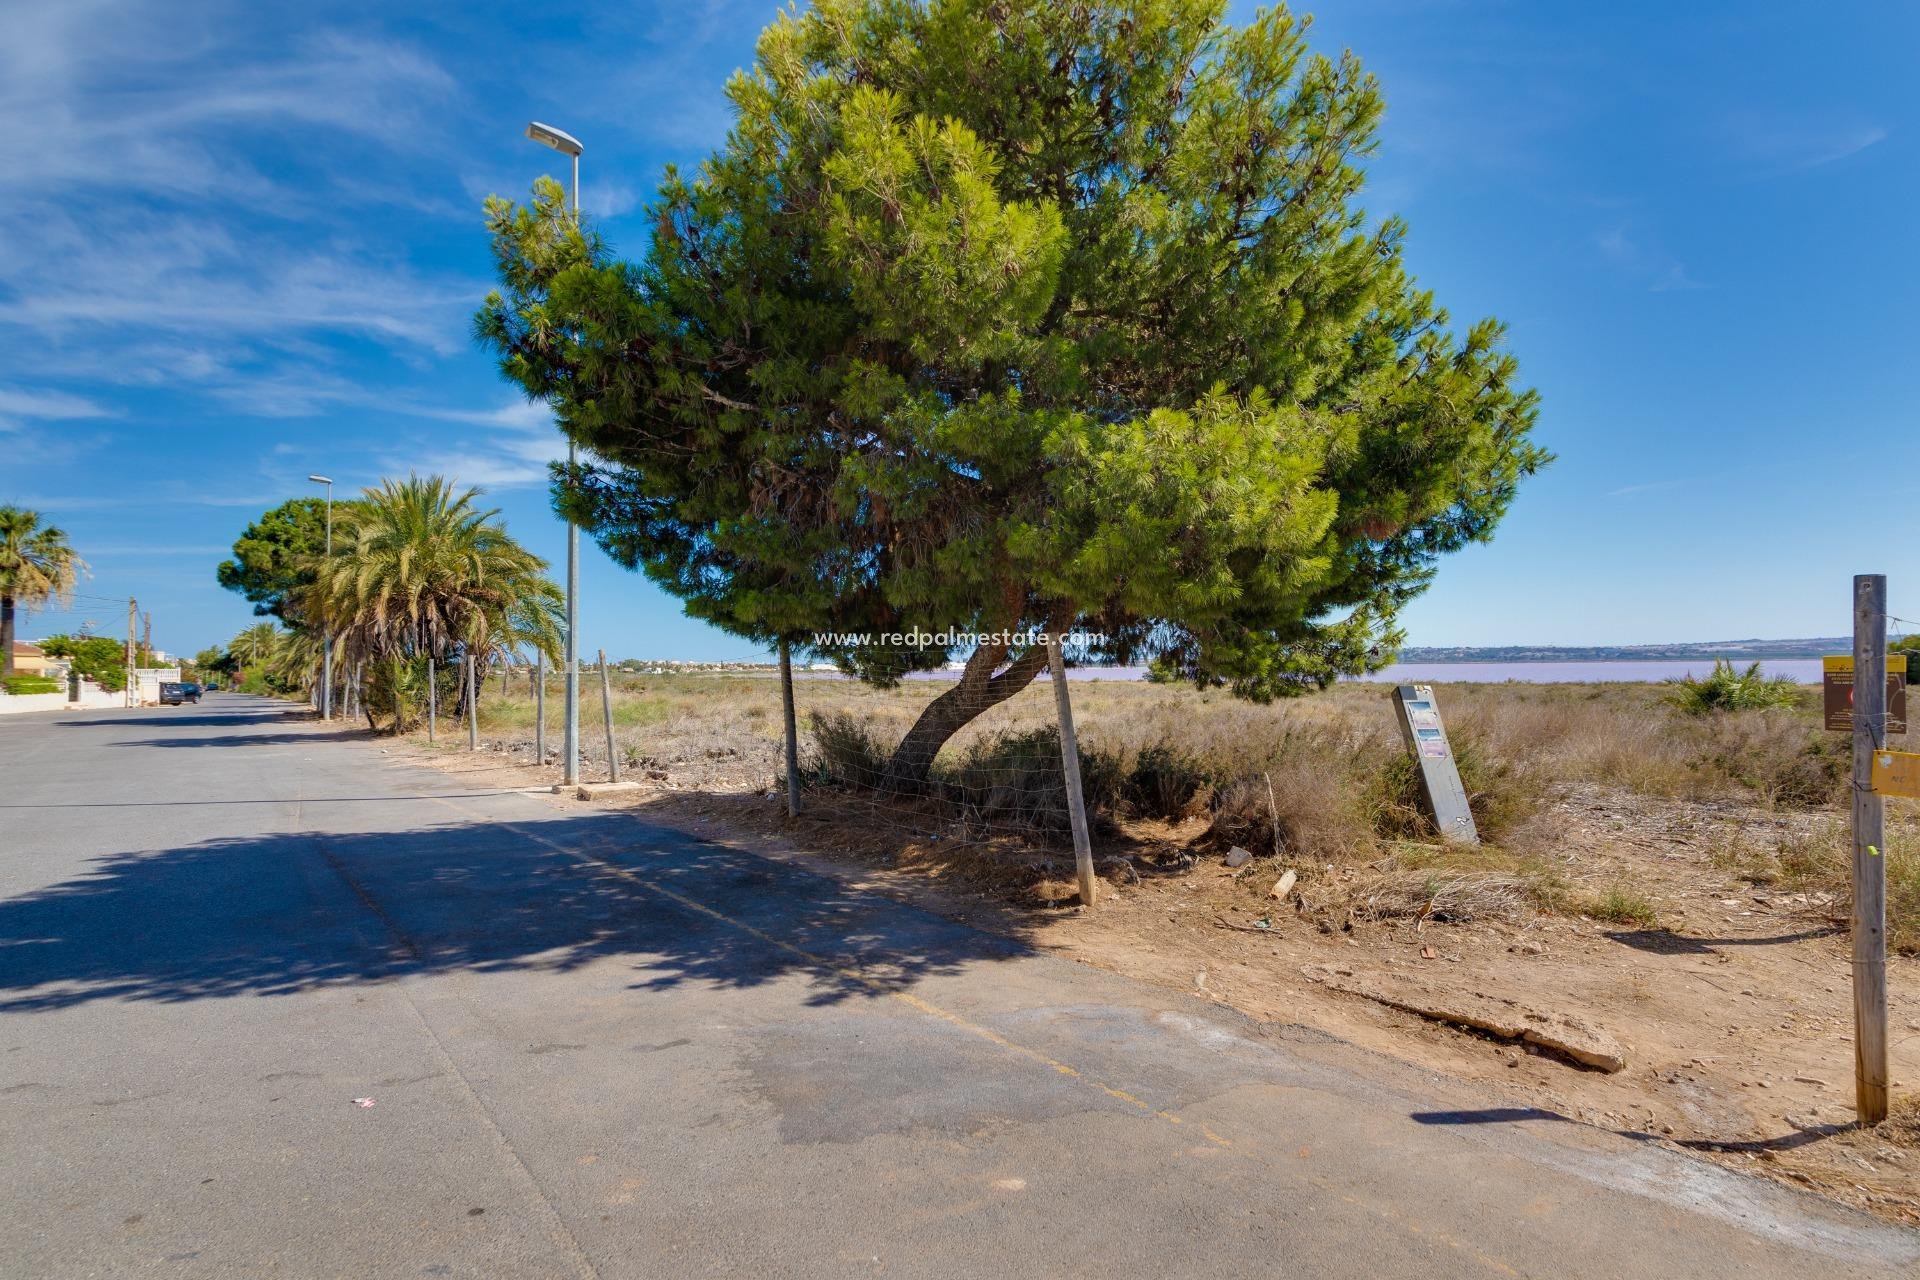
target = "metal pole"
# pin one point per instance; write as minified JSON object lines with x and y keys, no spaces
{"x":606,"y":714}
{"x":473,"y":708}
{"x":1869,"y":850}
{"x":792,"y":732}
{"x":133,"y":681}
{"x":326,"y":643}
{"x":540,"y":709}
{"x":433,"y":702}
{"x":1070,"y":763}
{"x":571,"y":732}
{"x":570,"y":745}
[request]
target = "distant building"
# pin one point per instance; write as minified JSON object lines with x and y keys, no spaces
{"x":29,"y":659}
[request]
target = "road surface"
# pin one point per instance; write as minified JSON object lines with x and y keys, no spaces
{"x":598,"y":1047}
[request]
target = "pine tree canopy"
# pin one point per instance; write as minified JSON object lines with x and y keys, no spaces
{"x":996,"y":315}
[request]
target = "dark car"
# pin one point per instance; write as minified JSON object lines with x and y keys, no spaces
{"x":174,"y":693}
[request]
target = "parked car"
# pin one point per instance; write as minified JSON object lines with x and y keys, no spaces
{"x":174,"y":693}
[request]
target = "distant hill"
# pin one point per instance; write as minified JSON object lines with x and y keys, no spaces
{"x":1738,"y":650}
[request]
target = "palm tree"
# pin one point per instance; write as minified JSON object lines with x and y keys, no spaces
{"x":36,"y":565}
{"x":254,"y":648}
{"x":420,"y":571}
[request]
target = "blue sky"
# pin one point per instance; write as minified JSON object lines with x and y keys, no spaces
{"x":240,"y":243}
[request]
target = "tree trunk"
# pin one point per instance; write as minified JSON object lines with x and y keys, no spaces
{"x":977,"y":690}
{"x":790,"y":730}
{"x":6,"y":635}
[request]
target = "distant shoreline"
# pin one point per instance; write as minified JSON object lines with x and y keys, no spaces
{"x":1733,"y":650}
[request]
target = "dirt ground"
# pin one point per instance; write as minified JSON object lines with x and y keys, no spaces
{"x":1734,"y":1008}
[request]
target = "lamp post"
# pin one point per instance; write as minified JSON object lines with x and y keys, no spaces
{"x":568,"y":145}
{"x":326,"y":644}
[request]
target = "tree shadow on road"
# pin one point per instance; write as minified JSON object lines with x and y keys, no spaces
{"x":282,"y":913}
{"x":247,"y":741}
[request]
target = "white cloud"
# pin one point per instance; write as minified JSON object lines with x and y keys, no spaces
{"x":1791,"y":143}
{"x":1640,"y":258}
{"x":16,"y":402}
{"x":514,"y":448}
{"x":173,"y":189}
{"x":1651,"y":486}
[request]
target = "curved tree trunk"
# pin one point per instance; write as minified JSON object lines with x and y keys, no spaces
{"x":6,"y":635}
{"x":978,"y":690}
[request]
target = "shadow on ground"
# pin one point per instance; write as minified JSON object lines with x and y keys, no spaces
{"x":275,"y":914}
{"x":1665,"y":942}
{"x":1802,"y":1135}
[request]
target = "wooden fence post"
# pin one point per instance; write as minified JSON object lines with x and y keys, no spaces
{"x":1869,"y":850}
{"x":792,"y":730}
{"x":433,"y":701}
{"x":540,"y":709}
{"x":1070,"y":763}
{"x":473,"y":707}
{"x":606,"y":713}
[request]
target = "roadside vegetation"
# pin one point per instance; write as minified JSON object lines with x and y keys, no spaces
{"x":1319,"y":785}
{"x":37,"y":566}
{"x":419,"y":580}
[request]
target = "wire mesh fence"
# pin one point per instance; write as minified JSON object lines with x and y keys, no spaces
{"x":865,"y":754}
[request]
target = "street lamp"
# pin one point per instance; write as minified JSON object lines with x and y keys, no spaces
{"x":326,"y":649}
{"x":568,"y":145}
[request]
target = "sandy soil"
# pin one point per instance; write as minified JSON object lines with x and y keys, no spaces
{"x":1734,"y":1007}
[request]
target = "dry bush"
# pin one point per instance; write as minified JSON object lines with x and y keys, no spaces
{"x":1018,"y":777}
{"x":1343,"y":790}
{"x":845,"y":750}
{"x":1169,"y":782}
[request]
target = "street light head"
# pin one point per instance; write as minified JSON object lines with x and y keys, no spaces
{"x":321,"y":479}
{"x":559,"y":139}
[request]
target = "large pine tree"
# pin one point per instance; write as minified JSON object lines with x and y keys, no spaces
{"x":997,"y":316}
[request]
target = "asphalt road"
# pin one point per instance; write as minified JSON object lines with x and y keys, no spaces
{"x":597,"y":1047}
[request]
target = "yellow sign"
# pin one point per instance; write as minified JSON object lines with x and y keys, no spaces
{"x":1896,"y":663}
{"x":1896,"y":773}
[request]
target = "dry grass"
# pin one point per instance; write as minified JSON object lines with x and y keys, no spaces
{"x":1325,"y":778}
{"x":1816,"y":857}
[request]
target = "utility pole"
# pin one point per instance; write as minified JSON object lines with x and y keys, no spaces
{"x":326,"y":642}
{"x":1869,"y":850}
{"x":133,"y":681}
{"x":146,"y":633}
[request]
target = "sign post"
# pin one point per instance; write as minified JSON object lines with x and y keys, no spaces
{"x":1426,"y":739}
{"x":1869,"y":724}
{"x":1836,"y":692}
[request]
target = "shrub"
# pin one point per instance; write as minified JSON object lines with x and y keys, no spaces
{"x":1730,"y":690}
{"x":846,"y":751}
{"x":1168,"y":782}
{"x":28,"y":684}
{"x":1620,"y":906}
